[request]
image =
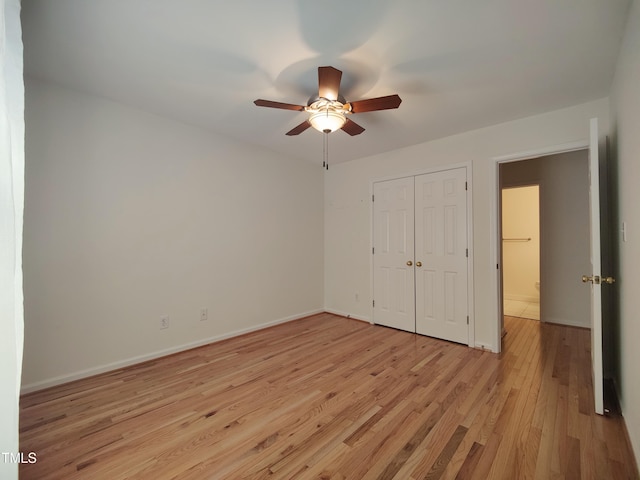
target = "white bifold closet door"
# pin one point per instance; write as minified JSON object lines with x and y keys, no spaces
{"x":420,"y":254}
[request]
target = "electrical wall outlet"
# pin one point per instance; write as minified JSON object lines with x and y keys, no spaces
{"x":164,"y":322}
{"x":204,"y":314}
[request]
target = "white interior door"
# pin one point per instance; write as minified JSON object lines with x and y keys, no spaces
{"x":393,"y":276}
{"x":595,"y":277}
{"x":441,"y":255}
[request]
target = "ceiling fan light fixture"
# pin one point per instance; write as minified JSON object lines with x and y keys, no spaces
{"x":327,"y":120}
{"x":328,"y":109}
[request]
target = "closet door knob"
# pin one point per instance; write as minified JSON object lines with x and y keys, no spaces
{"x":418,"y":264}
{"x":409,"y":263}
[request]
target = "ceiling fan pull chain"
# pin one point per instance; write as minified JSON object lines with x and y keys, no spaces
{"x":325,"y":151}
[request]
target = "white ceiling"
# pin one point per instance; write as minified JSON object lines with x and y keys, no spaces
{"x":457,"y":64}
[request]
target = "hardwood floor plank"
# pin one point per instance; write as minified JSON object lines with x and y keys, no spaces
{"x":469,"y":466}
{"x":487,"y":457}
{"x":438,"y":467}
{"x":460,"y":460}
{"x":329,"y":397}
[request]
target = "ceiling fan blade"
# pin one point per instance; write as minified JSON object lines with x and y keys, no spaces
{"x":329,"y":82}
{"x":352,"y":128}
{"x":378,"y":103}
{"x":299,"y":129}
{"x":285,"y":106}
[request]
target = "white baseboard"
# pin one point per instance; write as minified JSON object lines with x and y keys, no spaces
{"x":348,"y":315}
{"x":485,"y":346}
{"x":89,"y":372}
{"x":564,"y":321}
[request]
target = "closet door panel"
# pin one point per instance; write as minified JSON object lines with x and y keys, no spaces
{"x":441,"y":249}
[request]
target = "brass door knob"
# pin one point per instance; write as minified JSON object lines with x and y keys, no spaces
{"x":597,"y":280}
{"x":409,"y":263}
{"x":418,"y":264}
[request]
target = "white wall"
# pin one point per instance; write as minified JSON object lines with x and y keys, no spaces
{"x":130,"y":216}
{"x":348,"y":203}
{"x":564,"y":217}
{"x":626,"y":127}
{"x":521,"y":259}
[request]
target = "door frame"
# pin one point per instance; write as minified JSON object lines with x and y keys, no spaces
{"x":495,"y":221}
{"x":470,"y":283}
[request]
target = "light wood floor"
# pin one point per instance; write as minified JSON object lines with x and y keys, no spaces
{"x":327,"y":397}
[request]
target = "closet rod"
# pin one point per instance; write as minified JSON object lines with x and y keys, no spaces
{"x":528,"y":239}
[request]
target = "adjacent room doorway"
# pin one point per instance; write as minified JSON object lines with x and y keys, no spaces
{"x":521,"y":251}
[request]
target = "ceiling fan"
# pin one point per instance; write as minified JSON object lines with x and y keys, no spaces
{"x":328,"y":110}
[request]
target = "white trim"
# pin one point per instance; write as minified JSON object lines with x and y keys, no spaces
{"x":470,"y":244}
{"x":496,"y":243}
{"x":468,"y":166}
{"x":348,"y":315}
{"x":563,"y":321}
{"x":425,"y":171}
{"x":543,"y":152}
{"x":371,"y":237}
{"x":89,"y":372}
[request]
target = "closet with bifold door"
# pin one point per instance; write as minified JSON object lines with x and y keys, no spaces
{"x":420,"y":254}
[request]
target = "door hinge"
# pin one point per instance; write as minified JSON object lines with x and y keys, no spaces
{"x":373,"y":198}
{"x":466,"y":186}
{"x":467,"y":319}
{"x":373,"y":303}
{"x":467,"y":253}
{"x":373,"y":250}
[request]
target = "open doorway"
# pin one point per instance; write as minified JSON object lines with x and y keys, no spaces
{"x":562,"y":181}
{"x":521,"y":251}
